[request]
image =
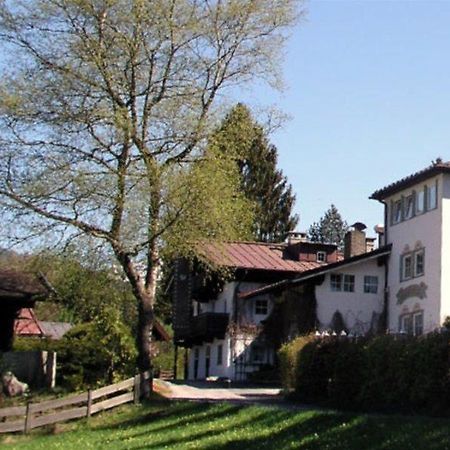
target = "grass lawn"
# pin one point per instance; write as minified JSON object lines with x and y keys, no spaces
{"x":186,"y":425}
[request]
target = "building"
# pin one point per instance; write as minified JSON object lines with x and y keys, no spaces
{"x":402,"y":286}
{"x":17,"y":290}
{"x":417,"y":226}
{"x":408,"y":289}
{"x":230,"y":336}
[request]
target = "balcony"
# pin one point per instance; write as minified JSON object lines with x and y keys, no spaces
{"x":204,"y":328}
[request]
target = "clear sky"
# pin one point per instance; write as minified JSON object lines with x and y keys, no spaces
{"x":369,"y":99}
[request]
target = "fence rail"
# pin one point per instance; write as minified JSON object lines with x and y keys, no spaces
{"x":34,"y":415}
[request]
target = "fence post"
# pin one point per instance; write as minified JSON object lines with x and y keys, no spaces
{"x":137,"y":388}
{"x":89,"y":403}
{"x":28,"y":419}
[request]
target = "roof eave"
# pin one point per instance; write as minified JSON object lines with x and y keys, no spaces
{"x":404,"y":183}
{"x":313,"y":273}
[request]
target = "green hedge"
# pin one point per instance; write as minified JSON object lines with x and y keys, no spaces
{"x":384,"y":373}
{"x":288,"y":355}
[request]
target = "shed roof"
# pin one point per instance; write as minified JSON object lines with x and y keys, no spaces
{"x":253,"y":255}
{"x":20,"y":284}
{"x":55,"y":330}
{"x":26,"y":324}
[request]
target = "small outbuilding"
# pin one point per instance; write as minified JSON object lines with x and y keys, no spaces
{"x":17,"y":290}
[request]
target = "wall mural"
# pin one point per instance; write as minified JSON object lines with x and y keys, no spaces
{"x":414,"y":290}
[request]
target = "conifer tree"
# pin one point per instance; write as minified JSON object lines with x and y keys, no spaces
{"x":331,"y":228}
{"x":262,"y":183}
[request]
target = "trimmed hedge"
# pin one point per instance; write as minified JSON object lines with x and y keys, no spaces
{"x":384,"y":373}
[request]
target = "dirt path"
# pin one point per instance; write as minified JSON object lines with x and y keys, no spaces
{"x":206,"y":391}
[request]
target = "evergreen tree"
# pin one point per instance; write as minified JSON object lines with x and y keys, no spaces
{"x":331,"y":228}
{"x":263,"y":184}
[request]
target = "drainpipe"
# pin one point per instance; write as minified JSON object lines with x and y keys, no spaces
{"x":386,"y":270}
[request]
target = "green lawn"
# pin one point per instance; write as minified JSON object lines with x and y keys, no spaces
{"x":224,"y":426}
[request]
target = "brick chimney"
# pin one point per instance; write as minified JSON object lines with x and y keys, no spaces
{"x":355,"y":241}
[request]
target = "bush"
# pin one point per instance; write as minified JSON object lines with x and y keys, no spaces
{"x":164,"y":357}
{"x":288,"y":355}
{"x":382,"y":373}
{"x":26,"y":344}
{"x":315,"y":367}
{"x":96,"y":353}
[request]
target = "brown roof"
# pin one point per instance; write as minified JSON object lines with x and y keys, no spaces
{"x":253,"y":255}
{"x":382,"y":251}
{"x":432,"y":170}
{"x":20,"y":284}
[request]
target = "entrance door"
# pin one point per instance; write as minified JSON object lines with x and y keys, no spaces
{"x":196,"y":358}
{"x":207,"y":360}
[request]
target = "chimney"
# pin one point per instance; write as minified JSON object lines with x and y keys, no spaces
{"x":379,"y":229}
{"x":294,"y":237}
{"x":355,"y":240}
{"x":370,"y":244}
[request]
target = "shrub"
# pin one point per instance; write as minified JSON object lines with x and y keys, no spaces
{"x":347,"y":377}
{"x":288,"y":355}
{"x":163,"y":358}
{"x":25,"y":344}
{"x":96,"y":353}
{"x":382,"y":373}
{"x":315,"y":366}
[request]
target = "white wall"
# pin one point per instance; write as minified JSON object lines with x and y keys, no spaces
{"x":420,"y":231}
{"x":215,"y":370}
{"x":445,"y":248}
{"x":224,"y":303}
{"x":356,"y":307}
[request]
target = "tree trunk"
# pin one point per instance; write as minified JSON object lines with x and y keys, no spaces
{"x":145,"y":293}
{"x":144,"y":332}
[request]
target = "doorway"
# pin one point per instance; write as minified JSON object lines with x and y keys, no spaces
{"x":207,"y":360}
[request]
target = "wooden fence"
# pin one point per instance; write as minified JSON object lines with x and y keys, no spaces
{"x":34,"y":415}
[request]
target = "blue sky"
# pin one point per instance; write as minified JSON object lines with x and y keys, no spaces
{"x":369,"y":99}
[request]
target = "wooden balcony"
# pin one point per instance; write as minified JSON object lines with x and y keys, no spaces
{"x":204,"y":328}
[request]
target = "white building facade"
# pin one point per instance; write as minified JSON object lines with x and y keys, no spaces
{"x":417,"y":226}
{"x":403,"y":286}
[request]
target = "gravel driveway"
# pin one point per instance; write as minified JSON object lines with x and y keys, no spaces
{"x":212,"y":392}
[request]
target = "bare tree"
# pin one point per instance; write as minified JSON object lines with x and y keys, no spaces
{"x":104,"y":109}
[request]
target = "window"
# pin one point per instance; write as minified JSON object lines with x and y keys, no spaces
{"x":336,"y":282}
{"x":409,"y":207}
{"x":412,"y":265}
{"x":349,"y":283}
{"x":397,"y":212}
{"x":431,"y":197}
{"x":415,"y":203}
{"x":261,"y":307}
{"x":406,"y":266}
{"x":406,"y":324}
{"x":419,"y":263}
{"x":219,"y":354}
{"x":412,"y":324}
{"x":418,"y":323}
{"x":420,"y":201}
{"x":321,"y":256}
{"x":370,"y":284}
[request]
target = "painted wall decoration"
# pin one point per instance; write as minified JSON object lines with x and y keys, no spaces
{"x":414,"y":290}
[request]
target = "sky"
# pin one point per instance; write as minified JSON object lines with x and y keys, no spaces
{"x":368,"y":94}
